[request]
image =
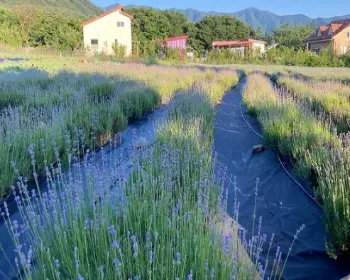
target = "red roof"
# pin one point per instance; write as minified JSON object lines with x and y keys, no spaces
{"x":117,"y":8}
{"x":241,"y":43}
{"x":327,"y":32}
{"x":177,"y":38}
{"x":183,"y":37}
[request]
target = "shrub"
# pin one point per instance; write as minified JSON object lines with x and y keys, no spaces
{"x":119,"y":50}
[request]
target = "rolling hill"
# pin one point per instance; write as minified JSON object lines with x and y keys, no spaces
{"x":82,"y":8}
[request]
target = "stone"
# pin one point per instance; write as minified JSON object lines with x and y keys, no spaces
{"x":258,"y":148}
{"x":141,"y":142}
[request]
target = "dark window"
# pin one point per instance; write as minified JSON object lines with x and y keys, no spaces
{"x":120,"y":24}
{"x":94,"y":43}
{"x":316,"y":50}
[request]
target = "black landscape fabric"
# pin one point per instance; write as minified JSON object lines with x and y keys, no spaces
{"x":282,"y":204}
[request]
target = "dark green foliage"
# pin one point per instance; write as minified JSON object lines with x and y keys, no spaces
{"x":39,"y":28}
{"x":152,"y":26}
{"x":213,"y":28}
{"x":291,"y":37}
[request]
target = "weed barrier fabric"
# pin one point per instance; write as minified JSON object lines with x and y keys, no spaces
{"x":144,"y":129}
{"x":283,"y":206}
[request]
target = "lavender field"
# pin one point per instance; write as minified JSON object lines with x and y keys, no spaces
{"x":108,"y":170}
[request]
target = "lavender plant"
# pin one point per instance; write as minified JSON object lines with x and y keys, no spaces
{"x":315,"y":149}
{"x":163,"y":219}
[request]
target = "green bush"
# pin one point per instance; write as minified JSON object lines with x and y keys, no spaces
{"x":102,"y":91}
{"x":119,"y":50}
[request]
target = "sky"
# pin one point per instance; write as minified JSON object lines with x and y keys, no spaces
{"x":311,"y":8}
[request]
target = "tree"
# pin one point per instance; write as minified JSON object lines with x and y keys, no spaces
{"x":9,"y":32}
{"x":291,"y":37}
{"x":213,"y":28}
{"x":27,"y":19}
{"x":152,"y":26}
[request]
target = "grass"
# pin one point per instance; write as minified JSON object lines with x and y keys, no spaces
{"x":315,"y":149}
{"x":331,"y":98}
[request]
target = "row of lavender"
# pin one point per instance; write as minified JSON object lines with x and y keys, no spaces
{"x":53,"y":107}
{"x":295,"y":125}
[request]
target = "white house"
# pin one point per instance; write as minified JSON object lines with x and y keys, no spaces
{"x":104,"y":30}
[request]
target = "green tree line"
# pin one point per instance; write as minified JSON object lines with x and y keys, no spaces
{"x":22,"y":27}
{"x":39,"y":28}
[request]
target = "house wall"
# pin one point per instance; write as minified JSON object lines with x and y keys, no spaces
{"x":260,"y":47}
{"x":181,"y":44}
{"x":341,"y":42}
{"x":106,"y":31}
{"x":320,"y":45}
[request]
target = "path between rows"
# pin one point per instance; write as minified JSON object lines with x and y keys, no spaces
{"x":122,"y":163}
{"x":281,"y":203}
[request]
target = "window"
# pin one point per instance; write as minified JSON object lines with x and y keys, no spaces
{"x":316,"y":50}
{"x":120,"y":23}
{"x":94,"y":44}
{"x":344,"y":49}
{"x":348,"y":35}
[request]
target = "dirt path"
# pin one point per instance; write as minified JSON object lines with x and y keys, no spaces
{"x":281,"y":203}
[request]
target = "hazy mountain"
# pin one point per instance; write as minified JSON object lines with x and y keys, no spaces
{"x":258,"y":18}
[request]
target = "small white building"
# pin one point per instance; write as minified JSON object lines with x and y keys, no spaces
{"x":106,"y":29}
{"x":242,"y":46}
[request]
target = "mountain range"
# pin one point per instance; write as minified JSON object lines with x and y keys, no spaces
{"x":266,"y":20}
{"x":256,"y":18}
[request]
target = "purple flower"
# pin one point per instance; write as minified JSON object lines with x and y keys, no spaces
{"x":57,"y":263}
{"x":80,"y":277}
{"x":117,"y":262}
{"x":177,"y":258}
{"x":111,"y":230}
{"x":150,"y":257}
{"x":115,"y":244}
{"x":135,"y":246}
{"x":212,"y":273}
{"x":100,"y":270}
{"x":190,"y":275}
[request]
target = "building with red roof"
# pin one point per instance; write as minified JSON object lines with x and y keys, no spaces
{"x":112,"y":27}
{"x":179,"y":42}
{"x":241,"y":46}
{"x":334,"y":36}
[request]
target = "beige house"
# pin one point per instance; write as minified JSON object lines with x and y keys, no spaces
{"x":106,"y":29}
{"x":242,"y":46}
{"x":334,"y":36}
